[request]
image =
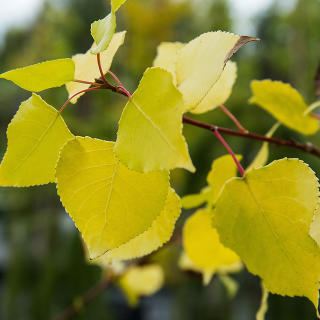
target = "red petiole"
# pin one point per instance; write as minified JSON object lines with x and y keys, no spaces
{"x":218,"y":135}
{"x":82,"y":91}
{"x":233,"y":118}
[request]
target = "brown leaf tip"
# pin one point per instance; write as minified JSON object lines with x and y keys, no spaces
{"x":240,"y":43}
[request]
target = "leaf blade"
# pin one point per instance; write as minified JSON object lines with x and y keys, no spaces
{"x":122,"y":203}
{"x":156,"y":141}
{"x":285,"y":104}
{"x":265,"y":219}
{"x":35,"y":136}
{"x":42,"y":76}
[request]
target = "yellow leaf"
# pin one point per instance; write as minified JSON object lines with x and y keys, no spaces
{"x":167,"y":54}
{"x":87,"y":67}
{"x":264,"y":303}
{"x":102,"y":30}
{"x":185,"y":263}
{"x":202,"y":244}
{"x":116,"y":4}
{"x":42,"y":76}
{"x":152,"y":239}
{"x":201,"y":62}
{"x":315,"y":226}
{"x":195,"y":200}
{"x":141,"y":281}
{"x":262,"y":156}
{"x":285,"y":104}
{"x":35,"y":136}
{"x":222,"y":169}
{"x":150,"y":129}
{"x":265,"y":218}
{"x":221,"y":91}
{"x":109,"y":203}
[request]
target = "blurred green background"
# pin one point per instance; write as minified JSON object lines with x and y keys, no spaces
{"x":42,"y":266}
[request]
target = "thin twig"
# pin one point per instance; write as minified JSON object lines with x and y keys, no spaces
{"x":82,"y":91}
{"x":233,"y":118}
{"x":120,"y":84}
{"x":238,"y":164}
{"x":308,"y":147}
{"x":82,"y":301}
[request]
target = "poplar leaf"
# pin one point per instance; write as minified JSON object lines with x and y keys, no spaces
{"x":222,"y":170}
{"x":167,"y":55}
{"x":200,"y":64}
{"x":102,"y":30}
{"x":152,"y":239}
{"x":116,"y":4}
{"x":202,"y":244}
{"x":262,"y":156}
{"x":221,"y":91}
{"x":42,"y":76}
{"x":285,"y":104}
{"x":109,"y":203}
{"x":315,"y":226}
{"x":150,"y":129}
{"x":265,"y":218}
{"x":141,"y":281}
{"x":185,"y":263}
{"x":195,"y":200}
{"x":86,"y":67}
{"x":35,"y":136}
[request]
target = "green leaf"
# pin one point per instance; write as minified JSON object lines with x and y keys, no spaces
{"x":202,"y":244}
{"x":150,"y":129}
{"x":220,"y":92}
{"x":265,"y":218}
{"x":109,"y":203}
{"x":152,"y":239}
{"x":285,"y":104}
{"x":35,"y":136}
{"x":87,"y":67}
{"x":222,"y":170}
{"x":262,"y":156}
{"x":102,"y":30}
{"x":167,"y":55}
{"x":43,"y":75}
{"x":200,"y":64}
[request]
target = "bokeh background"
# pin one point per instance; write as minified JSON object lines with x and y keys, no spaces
{"x":42,"y":265}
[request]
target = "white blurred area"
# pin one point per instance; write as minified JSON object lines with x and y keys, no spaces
{"x":16,"y":13}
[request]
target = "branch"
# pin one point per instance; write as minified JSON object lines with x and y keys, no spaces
{"x":308,"y":147}
{"x":80,"y":302}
